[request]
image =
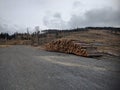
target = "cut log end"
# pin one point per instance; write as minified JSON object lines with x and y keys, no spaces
{"x":69,"y":46}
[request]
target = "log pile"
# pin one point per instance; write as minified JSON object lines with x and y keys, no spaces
{"x":70,"y":46}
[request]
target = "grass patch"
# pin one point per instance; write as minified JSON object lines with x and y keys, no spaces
{"x":4,"y":46}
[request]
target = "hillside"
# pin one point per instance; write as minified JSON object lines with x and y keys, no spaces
{"x":105,"y":41}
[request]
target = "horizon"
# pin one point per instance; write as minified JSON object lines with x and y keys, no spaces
{"x":17,"y":16}
{"x":78,"y":28}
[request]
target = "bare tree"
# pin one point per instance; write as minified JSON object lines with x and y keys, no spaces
{"x":37,"y":32}
{"x":27,"y":33}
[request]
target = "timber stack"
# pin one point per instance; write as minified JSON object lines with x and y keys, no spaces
{"x":72,"y":47}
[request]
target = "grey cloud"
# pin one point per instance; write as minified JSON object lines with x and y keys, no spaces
{"x":5,"y":28}
{"x":54,"y":21}
{"x":57,"y":15}
{"x":116,"y":3}
{"x":9,"y":28}
{"x":98,"y":17}
{"x":1,"y":28}
{"x":77,"y":4}
{"x":3,"y":25}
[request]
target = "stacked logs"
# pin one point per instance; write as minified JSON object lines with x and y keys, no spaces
{"x":66,"y":46}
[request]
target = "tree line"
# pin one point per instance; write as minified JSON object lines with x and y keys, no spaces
{"x":37,"y":33}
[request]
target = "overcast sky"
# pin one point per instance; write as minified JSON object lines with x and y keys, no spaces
{"x":60,"y":14}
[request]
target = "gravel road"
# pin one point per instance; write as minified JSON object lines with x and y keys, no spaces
{"x":27,"y":68}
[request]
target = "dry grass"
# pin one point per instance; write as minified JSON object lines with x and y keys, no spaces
{"x":110,"y":42}
{"x":16,"y":42}
{"x":4,"y":46}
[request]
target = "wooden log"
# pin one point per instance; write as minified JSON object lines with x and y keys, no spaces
{"x":70,"y":46}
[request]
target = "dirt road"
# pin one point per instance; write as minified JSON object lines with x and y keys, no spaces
{"x":26,"y":68}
